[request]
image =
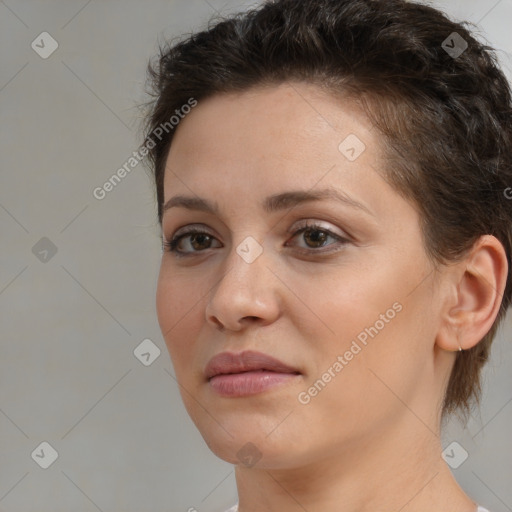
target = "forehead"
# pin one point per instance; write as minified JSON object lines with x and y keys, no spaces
{"x":292,"y":112}
{"x":285,"y":127}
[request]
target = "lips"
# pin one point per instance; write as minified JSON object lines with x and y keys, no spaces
{"x":248,"y":373}
{"x":247,"y":361}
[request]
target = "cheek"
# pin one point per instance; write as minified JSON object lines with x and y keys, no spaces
{"x":178,"y":314}
{"x":368,"y":313}
{"x":166,"y":304}
{"x":342,"y":302}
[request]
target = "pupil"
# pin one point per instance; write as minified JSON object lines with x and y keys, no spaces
{"x":200,"y":238}
{"x":316,"y":239}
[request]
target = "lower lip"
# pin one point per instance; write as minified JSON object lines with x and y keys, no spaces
{"x":248,"y":383}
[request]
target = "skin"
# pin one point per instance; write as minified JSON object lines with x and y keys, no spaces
{"x":370,"y":440}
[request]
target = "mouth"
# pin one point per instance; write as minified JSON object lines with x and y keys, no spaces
{"x":247,"y":373}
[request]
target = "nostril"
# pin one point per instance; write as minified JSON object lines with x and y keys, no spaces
{"x":217,"y":322}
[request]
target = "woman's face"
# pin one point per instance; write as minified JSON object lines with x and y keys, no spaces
{"x":350,"y":304}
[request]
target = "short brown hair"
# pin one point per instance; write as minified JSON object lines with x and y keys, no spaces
{"x":446,"y":119}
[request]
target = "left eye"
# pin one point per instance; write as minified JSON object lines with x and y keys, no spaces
{"x":316,"y":236}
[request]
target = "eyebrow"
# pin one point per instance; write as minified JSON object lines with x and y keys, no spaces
{"x":272,"y":203}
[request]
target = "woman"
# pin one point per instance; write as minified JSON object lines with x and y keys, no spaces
{"x":331,"y":182}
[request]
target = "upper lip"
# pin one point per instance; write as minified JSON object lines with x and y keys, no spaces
{"x":249,"y":360}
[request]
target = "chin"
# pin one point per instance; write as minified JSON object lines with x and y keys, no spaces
{"x":249,"y":447}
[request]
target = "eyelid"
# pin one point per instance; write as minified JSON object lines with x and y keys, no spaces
{"x":185,"y":229}
{"x":314,"y":224}
{"x":296,"y":226}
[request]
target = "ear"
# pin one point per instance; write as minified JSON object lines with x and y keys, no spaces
{"x":476,"y":287}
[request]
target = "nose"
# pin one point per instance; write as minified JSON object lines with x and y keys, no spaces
{"x":247,"y":292}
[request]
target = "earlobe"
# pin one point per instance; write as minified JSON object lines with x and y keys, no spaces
{"x":478,"y":286}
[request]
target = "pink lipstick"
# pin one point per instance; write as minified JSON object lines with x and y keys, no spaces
{"x":247,"y":373}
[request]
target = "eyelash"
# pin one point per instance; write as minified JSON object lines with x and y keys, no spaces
{"x":171,"y":245}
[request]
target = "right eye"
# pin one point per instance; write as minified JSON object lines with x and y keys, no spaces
{"x":196,"y":238}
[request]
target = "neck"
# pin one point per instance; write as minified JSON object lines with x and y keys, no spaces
{"x":401,"y":469}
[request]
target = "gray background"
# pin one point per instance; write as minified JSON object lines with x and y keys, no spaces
{"x":70,"y":324}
